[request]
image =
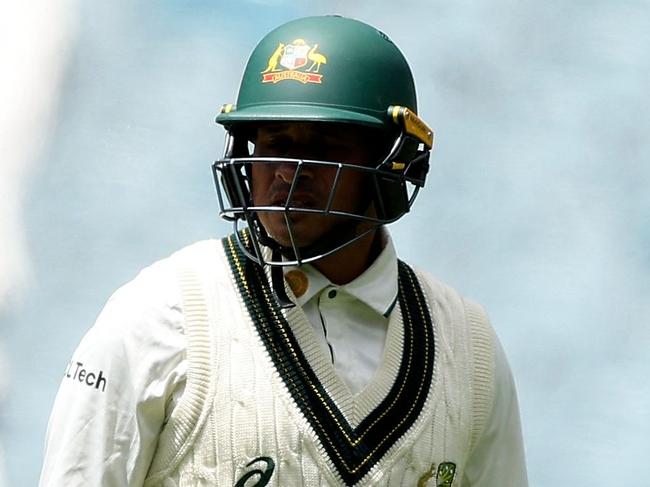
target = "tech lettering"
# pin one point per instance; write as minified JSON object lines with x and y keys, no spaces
{"x":76,"y":372}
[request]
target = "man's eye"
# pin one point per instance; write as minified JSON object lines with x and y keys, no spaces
{"x":276,"y":146}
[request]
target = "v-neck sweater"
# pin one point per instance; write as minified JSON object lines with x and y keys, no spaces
{"x":136,"y":373}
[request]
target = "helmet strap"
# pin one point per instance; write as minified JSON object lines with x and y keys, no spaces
{"x":277,"y":282}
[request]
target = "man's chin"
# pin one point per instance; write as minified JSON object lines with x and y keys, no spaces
{"x":284,"y":239}
{"x":302,"y":236}
{"x":306,"y":230}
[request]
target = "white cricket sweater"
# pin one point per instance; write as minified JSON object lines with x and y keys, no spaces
{"x":263,"y":402}
{"x":129,"y":374}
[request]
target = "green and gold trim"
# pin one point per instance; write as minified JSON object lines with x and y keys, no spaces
{"x":352,"y":451}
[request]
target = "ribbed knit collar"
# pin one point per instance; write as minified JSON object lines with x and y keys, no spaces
{"x":376,"y":287}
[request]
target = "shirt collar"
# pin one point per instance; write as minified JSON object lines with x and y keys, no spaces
{"x":376,"y":286}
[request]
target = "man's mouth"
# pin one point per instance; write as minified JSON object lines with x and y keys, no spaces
{"x":302,"y":197}
{"x":299,"y":199}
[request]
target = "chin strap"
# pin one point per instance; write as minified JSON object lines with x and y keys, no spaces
{"x":277,"y":282}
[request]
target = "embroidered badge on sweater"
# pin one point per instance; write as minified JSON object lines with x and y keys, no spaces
{"x":444,"y":476}
{"x":352,"y":451}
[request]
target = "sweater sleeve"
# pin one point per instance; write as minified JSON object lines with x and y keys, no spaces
{"x":118,"y":388}
{"x":498,"y":459}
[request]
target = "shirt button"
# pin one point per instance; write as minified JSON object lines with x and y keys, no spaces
{"x":331,"y":294}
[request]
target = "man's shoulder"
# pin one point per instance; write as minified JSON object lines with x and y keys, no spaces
{"x":464,"y":326}
{"x":201,"y":254}
{"x":445,"y":297}
{"x":157,"y":283}
{"x":437,"y":289}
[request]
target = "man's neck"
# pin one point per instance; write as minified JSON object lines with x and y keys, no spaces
{"x":352,"y":260}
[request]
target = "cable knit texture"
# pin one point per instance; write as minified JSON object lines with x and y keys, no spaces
{"x":237,"y":414}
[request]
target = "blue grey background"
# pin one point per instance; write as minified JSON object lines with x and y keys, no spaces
{"x":537,"y":202}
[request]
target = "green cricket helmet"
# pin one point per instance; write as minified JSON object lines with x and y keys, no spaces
{"x":327,"y":69}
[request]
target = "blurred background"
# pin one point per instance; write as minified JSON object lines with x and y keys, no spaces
{"x":537,"y":203}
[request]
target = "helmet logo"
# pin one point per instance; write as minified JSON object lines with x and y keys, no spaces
{"x":296,"y":61}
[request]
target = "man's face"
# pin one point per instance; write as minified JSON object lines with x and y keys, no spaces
{"x":326,"y":142}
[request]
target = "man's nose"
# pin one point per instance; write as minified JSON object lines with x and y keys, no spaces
{"x":287,"y":171}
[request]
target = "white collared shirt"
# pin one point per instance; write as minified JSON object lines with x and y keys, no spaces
{"x":348,"y":315}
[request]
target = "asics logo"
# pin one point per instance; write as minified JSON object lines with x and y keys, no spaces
{"x":262,"y":475}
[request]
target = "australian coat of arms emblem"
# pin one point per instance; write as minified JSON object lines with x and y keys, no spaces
{"x":297,"y":61}
{"x":444,"y":476}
